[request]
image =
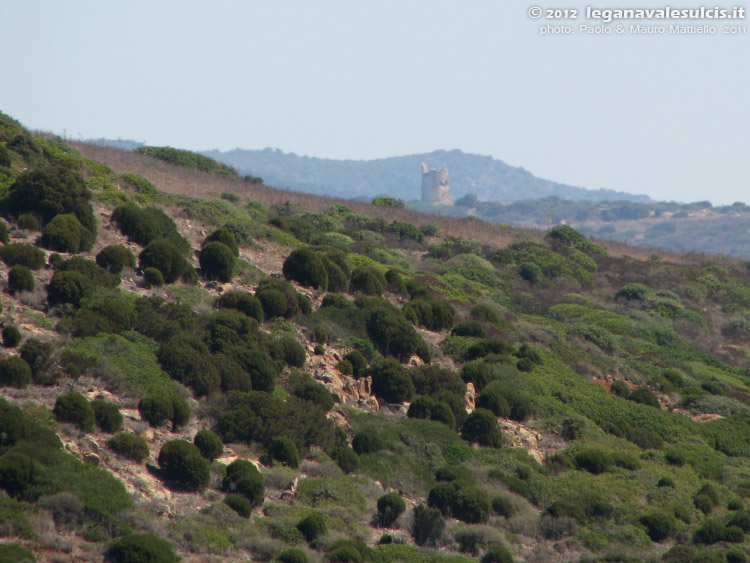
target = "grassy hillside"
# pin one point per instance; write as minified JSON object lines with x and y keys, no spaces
{"x":198,"y":365}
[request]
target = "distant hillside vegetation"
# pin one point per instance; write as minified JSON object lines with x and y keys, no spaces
{"x":400,"y":176}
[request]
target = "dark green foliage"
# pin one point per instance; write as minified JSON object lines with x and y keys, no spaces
{"x":644,"y":396}
{"x":27,"y":222}
{"x":428,"y":408}
{"x":477,"y":373}
{"x":274,"y":303}
{"x":471,"y":505}
{"x":336,"y":300}
{"x":312,"y":526}
{"x":468,"y":328}
{"x":291,"y":555}
{"x":345,"y":553}
{"x":287,"y":304}
{"x":209,"y":444}
{"x":316,"y":393}
{"x":390,"y":507}
{"x":156,"y":409}
{"x":46,"y":192}
{"x":367,"y":281}
{"x":108,"y":417}
{"x":503,"y":507}
{"x":659,"y":525}
{"x":244,"y":478}
{"x":181,"y":412}
{"x":367,"y":441}
{"x":165,"y":257}
{"x":141,"y":548}
{"x":530,"y":271}
{"x":14,"y":553}
{"x":218,"y":262}
{"x":69,"y":287}
{"x":294,"y":352}
{"x":11,"y":336}
{"x":427,"y":527}
{"x":735,"y":556}
{"x":395,"y":281}
{"x":16,"y":473}
{"x":20,"y":279}
{"x":129,"y":445}
{"x":182,"y":462}
{"x":620,"y":388}
{"x":284,"y":451}
{"x":391,"y":382}
{"x":634,"y":292}
{"x":20,"y":254}
{"x":38,"y":355}
{"x":345,"y":458}
{"x":392,"y":334}
{"x":75,"y":408}
{"x":486,"y":347}
{"x":358,"y":362}
{"x":153,"y":277}
{"x":493,"y":400}
{"x":243,"y":302}
{"x":481,"y":427}
{"x":432,"y":380}
{"x":258,"y":365}
{"x":709,"y":533}
{"x":114,"y":258}
{"x":594,"y":461}
{"x":239,"y":504}
{"x":189,"y":159}
{"x":14,"y":372}
{"x":305,"y":266}
{"x":741,"y":519}
{"x":226,"y":237}
{"x":147,"y":225}
{"x":581,"y":507}
{"x":5,"y":160}
{"x":497,"y":553}
{"x":66,"y":234}
{"x":431,"y":313}
{"x":185,"y":358}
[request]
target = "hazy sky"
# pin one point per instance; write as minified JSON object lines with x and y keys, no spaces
{"x":667,"y":115}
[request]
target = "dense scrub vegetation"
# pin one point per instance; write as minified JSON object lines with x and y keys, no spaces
{"x":608,"y":396}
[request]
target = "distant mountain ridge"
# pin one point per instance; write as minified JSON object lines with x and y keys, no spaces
{"x":400,"y":176}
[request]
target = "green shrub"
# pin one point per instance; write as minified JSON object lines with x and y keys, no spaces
{"x":620,"y":388}
{"x":66,"y":234}
{"x":659,"y":525}
{"x":108,"y":417}
{"x":274,"y":303}
{"x":392,"y":334}
{"x":156,"y":409}
{"x":239,"y":504}
{"x":243,"y":302}
{"x":390,"y":507}
{"x":218,"y":262}
{"x":14,"y":372}
{"x":294,"y":353}
{"x":391,"y":382}
{"x":316,"y":393}
{"x":497,"y":553}
{"x":38,"y":355}
{"x":75,"y":408}
{"x":209,"y":444}
{"x":367,"y":441}
{"x":481,"y":427}
{"x":468,"y":328}
{"x":244,"y":478}
{"x":709,"y":533}
{"x":493,"y":401}
{"x":20,"y":254}
{"x":427,"y":526}
{"x":182,"y":462}
{"x":141,"y":548}
{"x":284,"y":451}
{"x":129,"y":445}
{"x":147,"y":225}
{"x":11,"y":336}
{"x":367,"y":281}
{"x":291,"y":555}
{"x":358,"y":361}
{"x":312,"y":526}
{"x":477,"y":373}
{"x":734,"y":555}
{"x":471,"y":505}
{"x":305,"y":266}
{"x":345,"y":458}
{"x":741,"y":519}
{"x":165,"y":257}
{"x":503,"y":507}
{"x":69,"y":287}
{"x":153,"y":277}
{"x":114,"y":258}
{"x":27,"y":222}
{"x":14,"y":553}
{"x":47,"y":191}
{"x":530,"y":272}
{"x":226,"y":237}
{"x":16,"y":472}
{"x":20,"y":279}
{"x":594,"y":461}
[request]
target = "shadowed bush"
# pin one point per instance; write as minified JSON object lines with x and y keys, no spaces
{"x":14,"y":372}
{"x":209,"y":444}
{"x":390,"y":507}
{"x":182,"y":462}
{"x":218,"y":262}
{"x":166,"y":258}
{"x":20,"y":279}
{"x":66,"y":234}
{"x":129,"y":445}
{"x":11,"y":336}
{"x":19,"y":254}
{"x":284,"y":451}
{"x":141,"y":548}
{"x":75,"y":408}
{"x":108,"y":417}
{"x":114,"y":258}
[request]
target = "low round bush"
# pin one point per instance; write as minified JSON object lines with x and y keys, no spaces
{"x":284,"y":451}
{"x":294,"y":352}
{"x":367,"y":441}
{"x":65,"y":233}
{"x":166,"y":258}
{"x":390,"y":507}
{"x":27,"y":222}
{"x":14,"y":553}
{"x":243,"y":302}
{"x":115,"y":257}
{"x":21,"y":254}
{"x":345,"y":458}
{"x":291,"y":555}
{"x":659,"y":525}
{"x":493,"y":401}
{"x":312,"y":526}
{"x":481,"y":427}
{"x":129,"y":445}
{"x":316,"y":393}
{"x":20,"y":279}
{"x":153,"y":277}
{"x":76,"y":409}
{"x":69,"y":287}
{"x":108,"y":417}
{"x":427,"y":526}
{"x":274,"y":303}
{"x":209,"y":444}
{"x":471,"y":505}
{"x":182,"y":462}
{"x":141,"y":548}
{"x":644,"y":396}
{"x":391,"y":382}
{"x":38,"y":354}
{"x":11,"y":336}
{"x":218,"y":262}
{"x":16,"y":472}
{"x":358,"y":362}
{"x":244,"y":478}
{"x":156,"y":409}
{"x":367,"y":281}
{"x":226,"y":237}
{"x":239,"y":504}
{"x":469,"y":328}
{"x":14,"y":372}
{"x":594,"y":461}
{"x":306,"y":267}
{"x":503,"y":507}
{"x":497,"y":553}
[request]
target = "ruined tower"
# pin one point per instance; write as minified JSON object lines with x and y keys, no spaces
{"x":435,"y":186}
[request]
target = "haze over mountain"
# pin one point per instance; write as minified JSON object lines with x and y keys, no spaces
{"x":400,"y":176}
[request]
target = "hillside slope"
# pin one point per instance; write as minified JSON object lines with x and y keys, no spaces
{"x":262,"y":375}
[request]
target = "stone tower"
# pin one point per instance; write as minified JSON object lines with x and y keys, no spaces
{"x":435,"y":186}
